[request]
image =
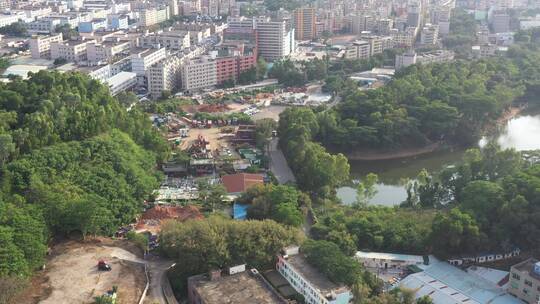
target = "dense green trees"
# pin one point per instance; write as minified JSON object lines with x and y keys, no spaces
{"x":287,"y":73}
{"x":316,"y":170}
{"x":216,"y":243}
{"x":375,"y":228}
{"x":462,"y":32}
{"x":424,"y":104}
{"x":17,"y":29}
{"x":71,"y":160}
{"x":278,"y":202}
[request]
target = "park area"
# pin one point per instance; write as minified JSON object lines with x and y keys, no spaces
{"x":72,"y":276}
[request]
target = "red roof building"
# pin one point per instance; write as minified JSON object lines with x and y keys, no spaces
{"x":240,"y":182}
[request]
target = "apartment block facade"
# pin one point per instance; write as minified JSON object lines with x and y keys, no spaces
{"x":304,"y":23}
{"x":525,"y":281}
{"x":308,"y":281}
{"x":199,"y":73}
{"x":40,"y":46}
{"x":164,"y":76}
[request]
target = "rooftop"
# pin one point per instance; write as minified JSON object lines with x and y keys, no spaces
{"x":240,"y":288}
{"x":240,"y":182}
{"x":444,"y":283}
{"x":120,"y":78}
{"x":312,"y":274}
{"x":389,"y":256}
{"x":528,"y":266}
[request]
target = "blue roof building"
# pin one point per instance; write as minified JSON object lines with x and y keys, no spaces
{"x":446,"y":284}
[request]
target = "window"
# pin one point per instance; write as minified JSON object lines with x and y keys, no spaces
{"x":516,"y":276}
{"x":528,"y":283}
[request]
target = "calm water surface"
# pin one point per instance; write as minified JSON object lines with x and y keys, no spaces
{"x":521,"y":133}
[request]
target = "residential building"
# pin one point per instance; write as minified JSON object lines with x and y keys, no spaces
{"x":308,"y":281}
{"x":362,"y":50}
{"x":93,"y":25}
{"x":164,"y":76}
{"x":414,"y":14}
{"x":410,"y":58}
{"x":106,"y":51}
{"x":488,"y":50}
{"x":71,"y":50}
{"x":444,"y":284}
{"x":404,"y":38}
{"x":275,"y":39}
{"x":240,"y":182}
{"x":384,"y":26}
{"x":304,"y":23}
{"x":100,"y":73}
{"x":7,"y":19}
{"x":232,"y":60}
{"x":42,"y":26}
{"x":118,"y":22}
{"x":500,"y":22}
{"x":429,"y":34}
{"x":199,"y":73}
{"x":172,"y":39}
{"x":151,"y":16}
{"x":525,"y":281}
{"x":142,"y":59}
{"x":361,"y":23}
{"x":236,"y":286}
{"x":404,"y":60}
{"x":40,"y":46}
{"x":121,"y":82}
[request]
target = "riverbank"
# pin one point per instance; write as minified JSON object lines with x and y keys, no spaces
{"x":373,"y":154}
{"x":363,"y":155}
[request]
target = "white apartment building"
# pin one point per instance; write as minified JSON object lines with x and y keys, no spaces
{"x":151,"y":16}
{"x":358,"y":50}
{"x":404,"y":60}
{"x":275,"y":39}
{"x":403,"y":39}
{"x":100,"y":73}
{"x":429,"y":34}
{"x":308,"y":281}
{"x":164,"y":76}
{"x":40,"y":46}
{"x":410,"y":58}
{"x":175,"y":40}
{"x":11,"y":18}
{"x":199,"y":73}
{"x":121,"y":82}
{"x":105,"y":51}
{"x":143,"y":59}
{"x":74,"y":51}
{"x":384,"y":26}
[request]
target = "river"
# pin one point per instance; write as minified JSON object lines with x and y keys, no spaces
{"x":521,"y":133}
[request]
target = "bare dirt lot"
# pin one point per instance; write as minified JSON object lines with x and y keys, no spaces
{"x":212,"y":135}
{"x":71,"y":275}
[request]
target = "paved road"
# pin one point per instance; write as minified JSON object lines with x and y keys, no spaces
{"x":278,"y":163}
{"x":160,"y":290}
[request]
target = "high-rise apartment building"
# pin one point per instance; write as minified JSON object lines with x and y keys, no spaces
{"x":304,"y":23}
{"x":275,"y":39}
{"x":164,"y":76}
